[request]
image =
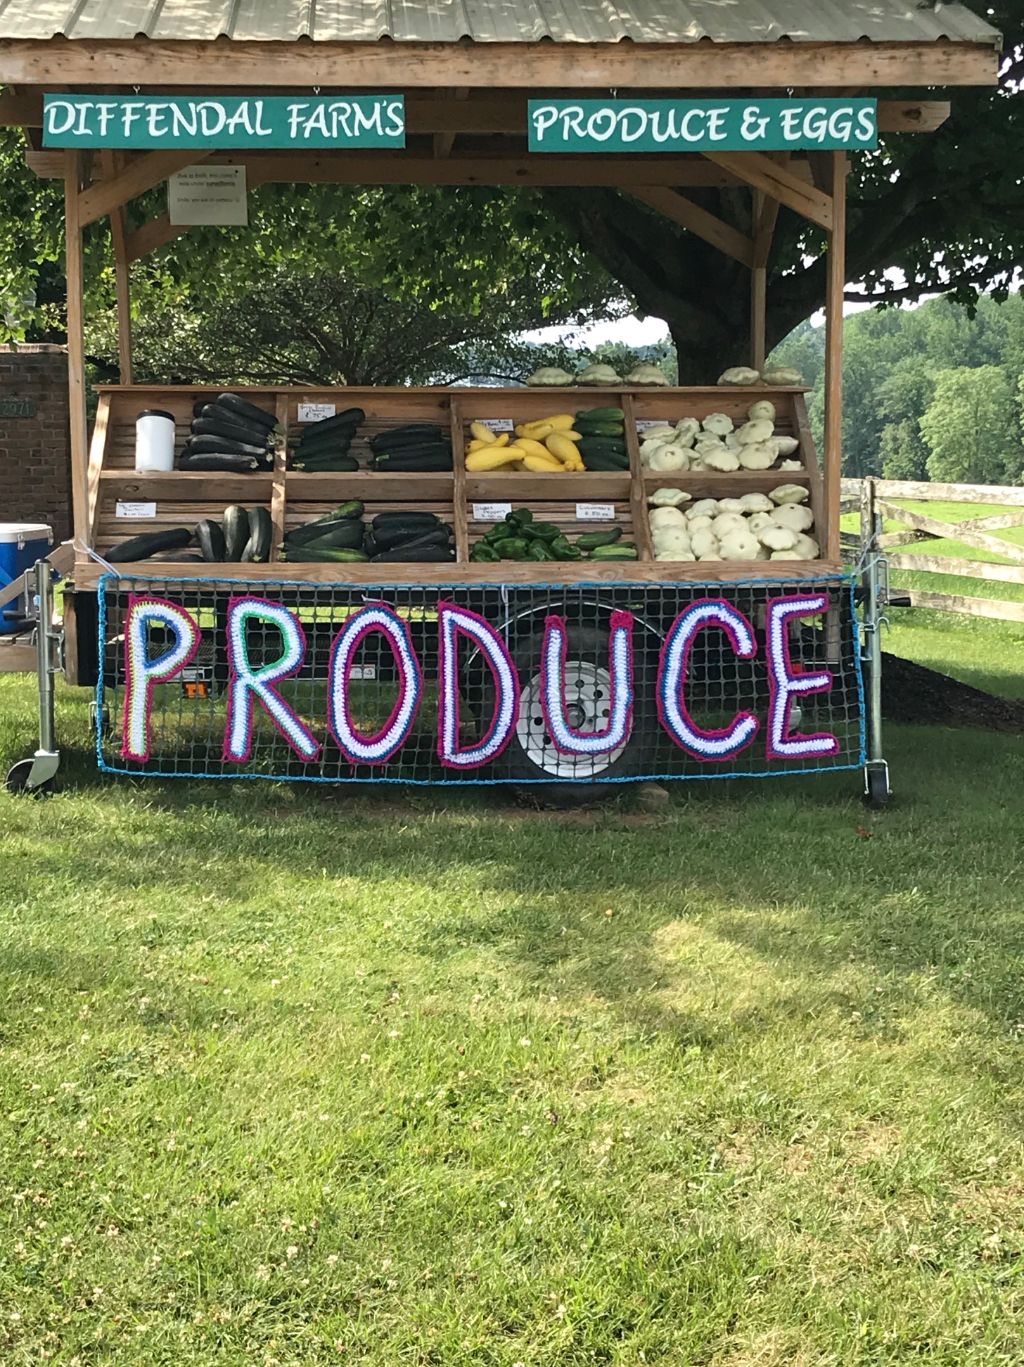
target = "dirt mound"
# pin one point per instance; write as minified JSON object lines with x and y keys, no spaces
{"x":911,"y":693}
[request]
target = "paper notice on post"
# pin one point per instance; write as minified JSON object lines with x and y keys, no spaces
{"x":211,"y":195}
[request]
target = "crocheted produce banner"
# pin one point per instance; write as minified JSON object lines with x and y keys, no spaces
{"x":478,"y":683}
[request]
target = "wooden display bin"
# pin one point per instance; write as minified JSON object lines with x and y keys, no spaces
{"x":183,"y":498}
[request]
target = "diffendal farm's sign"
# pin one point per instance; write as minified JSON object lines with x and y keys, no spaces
{"x":224,"y":121}
{"x":702,"y":125}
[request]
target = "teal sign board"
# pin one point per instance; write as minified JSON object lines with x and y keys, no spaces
{"x":222,"y":122}
{"x":702,"y":125}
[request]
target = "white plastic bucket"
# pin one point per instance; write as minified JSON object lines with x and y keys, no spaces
{"x":154,"y":440}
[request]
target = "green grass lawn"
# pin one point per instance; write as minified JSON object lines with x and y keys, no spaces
{"x":294,"y":1076}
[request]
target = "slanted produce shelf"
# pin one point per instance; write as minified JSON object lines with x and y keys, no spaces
{"x":185,"y":497}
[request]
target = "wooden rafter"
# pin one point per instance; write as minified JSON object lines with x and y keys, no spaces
{"x":138,"y":177}
{"x":696,"y":220}
{"x":693,"y":66}
{"x":779,"y":182}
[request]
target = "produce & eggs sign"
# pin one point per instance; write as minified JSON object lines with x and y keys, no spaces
{"x":159,"y":640}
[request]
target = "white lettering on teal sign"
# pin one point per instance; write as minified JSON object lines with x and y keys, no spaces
{"x":702,"y":125}
{"x":223,"y":122}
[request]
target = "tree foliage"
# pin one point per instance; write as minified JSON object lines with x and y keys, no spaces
{"x":893,"y":362}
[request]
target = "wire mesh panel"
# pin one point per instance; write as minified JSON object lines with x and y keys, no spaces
{"x":478,"y":683}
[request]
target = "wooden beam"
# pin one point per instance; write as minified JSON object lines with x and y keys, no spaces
{"x":912,"y":116}
{"x":112,"y":163}
{"x":694,"y":219}
{"x":403,"y":168}
{"x":997,"y":608}
{"x":981,"y":541}
{"x":963,"y":569}
{"x":138,"y":177}
{"x":834,"y":291}
{"x":485,"y":66}
{"x":76,"y":343}
{"x":1003,"y":495}
{"x":765,"y":215}
{"x":778,"y":181}
{"x":507,"y":114}
{"x":444,"y":140}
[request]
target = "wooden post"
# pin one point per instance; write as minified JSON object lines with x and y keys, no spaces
{"x":834,"y":355}
{"x":758,"y":316}
{"x":76,"y":344}
{"x":113,"y":164}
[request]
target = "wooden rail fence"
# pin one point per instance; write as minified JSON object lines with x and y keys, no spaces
{"x":869,"y":497}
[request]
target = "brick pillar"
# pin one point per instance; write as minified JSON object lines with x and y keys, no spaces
{"x":35,"y":450}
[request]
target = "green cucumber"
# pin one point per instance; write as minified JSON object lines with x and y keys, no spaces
{"x":600,"y":415}
{"x":602,"y":461}
{"x":601,"y":429}
{"x":150,"y":543}
{"x":592,"y":541}
{"x":236,"y":532}
{"x":261,"y":530}
{"x":623,"y":551}
{"x":613,"y":446}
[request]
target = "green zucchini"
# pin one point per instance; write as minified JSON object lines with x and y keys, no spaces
{"x":353,"y":508}
{"x":416,"y":555}
{"x":414,"y":433}
{"x":325,"y":465}
{"x":398,"y":533}
{"x":210,"y":539}
{"x":219,"y":460}
{"x":236,"y":532}
{"x":215,"y":422}
{"x":247,"y":411}
{"x":592,"y":541}
{"x":351,"y":417}
{"x":346,"y":535}
{"x":149,"y":544}
{"x":201,"y":445}
{"x":426,"y":464}
{"x":411,"y":519}
{"x":324,"y":555}
{"x":257,"y":548}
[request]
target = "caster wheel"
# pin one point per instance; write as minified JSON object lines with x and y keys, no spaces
{"x":876,"y":793}
{"x":18,"y":776}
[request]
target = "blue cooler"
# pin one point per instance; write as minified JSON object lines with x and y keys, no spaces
{"x":21,"y":545}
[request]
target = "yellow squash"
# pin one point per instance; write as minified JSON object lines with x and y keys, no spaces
{"x":542,"y":465}
{"x":493,"y":457}
{"x":482,"y":433}
{"x":562,"y":448}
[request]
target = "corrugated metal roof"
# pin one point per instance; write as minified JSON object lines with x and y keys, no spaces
{"x":497,"y":21}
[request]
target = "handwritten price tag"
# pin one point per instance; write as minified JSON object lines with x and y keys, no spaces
{"x":497,"y":424}
{"x":595,"y":512}
{"x":491,"y":512}
{"x":316,"y":412}
{"x":136,"y":511}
